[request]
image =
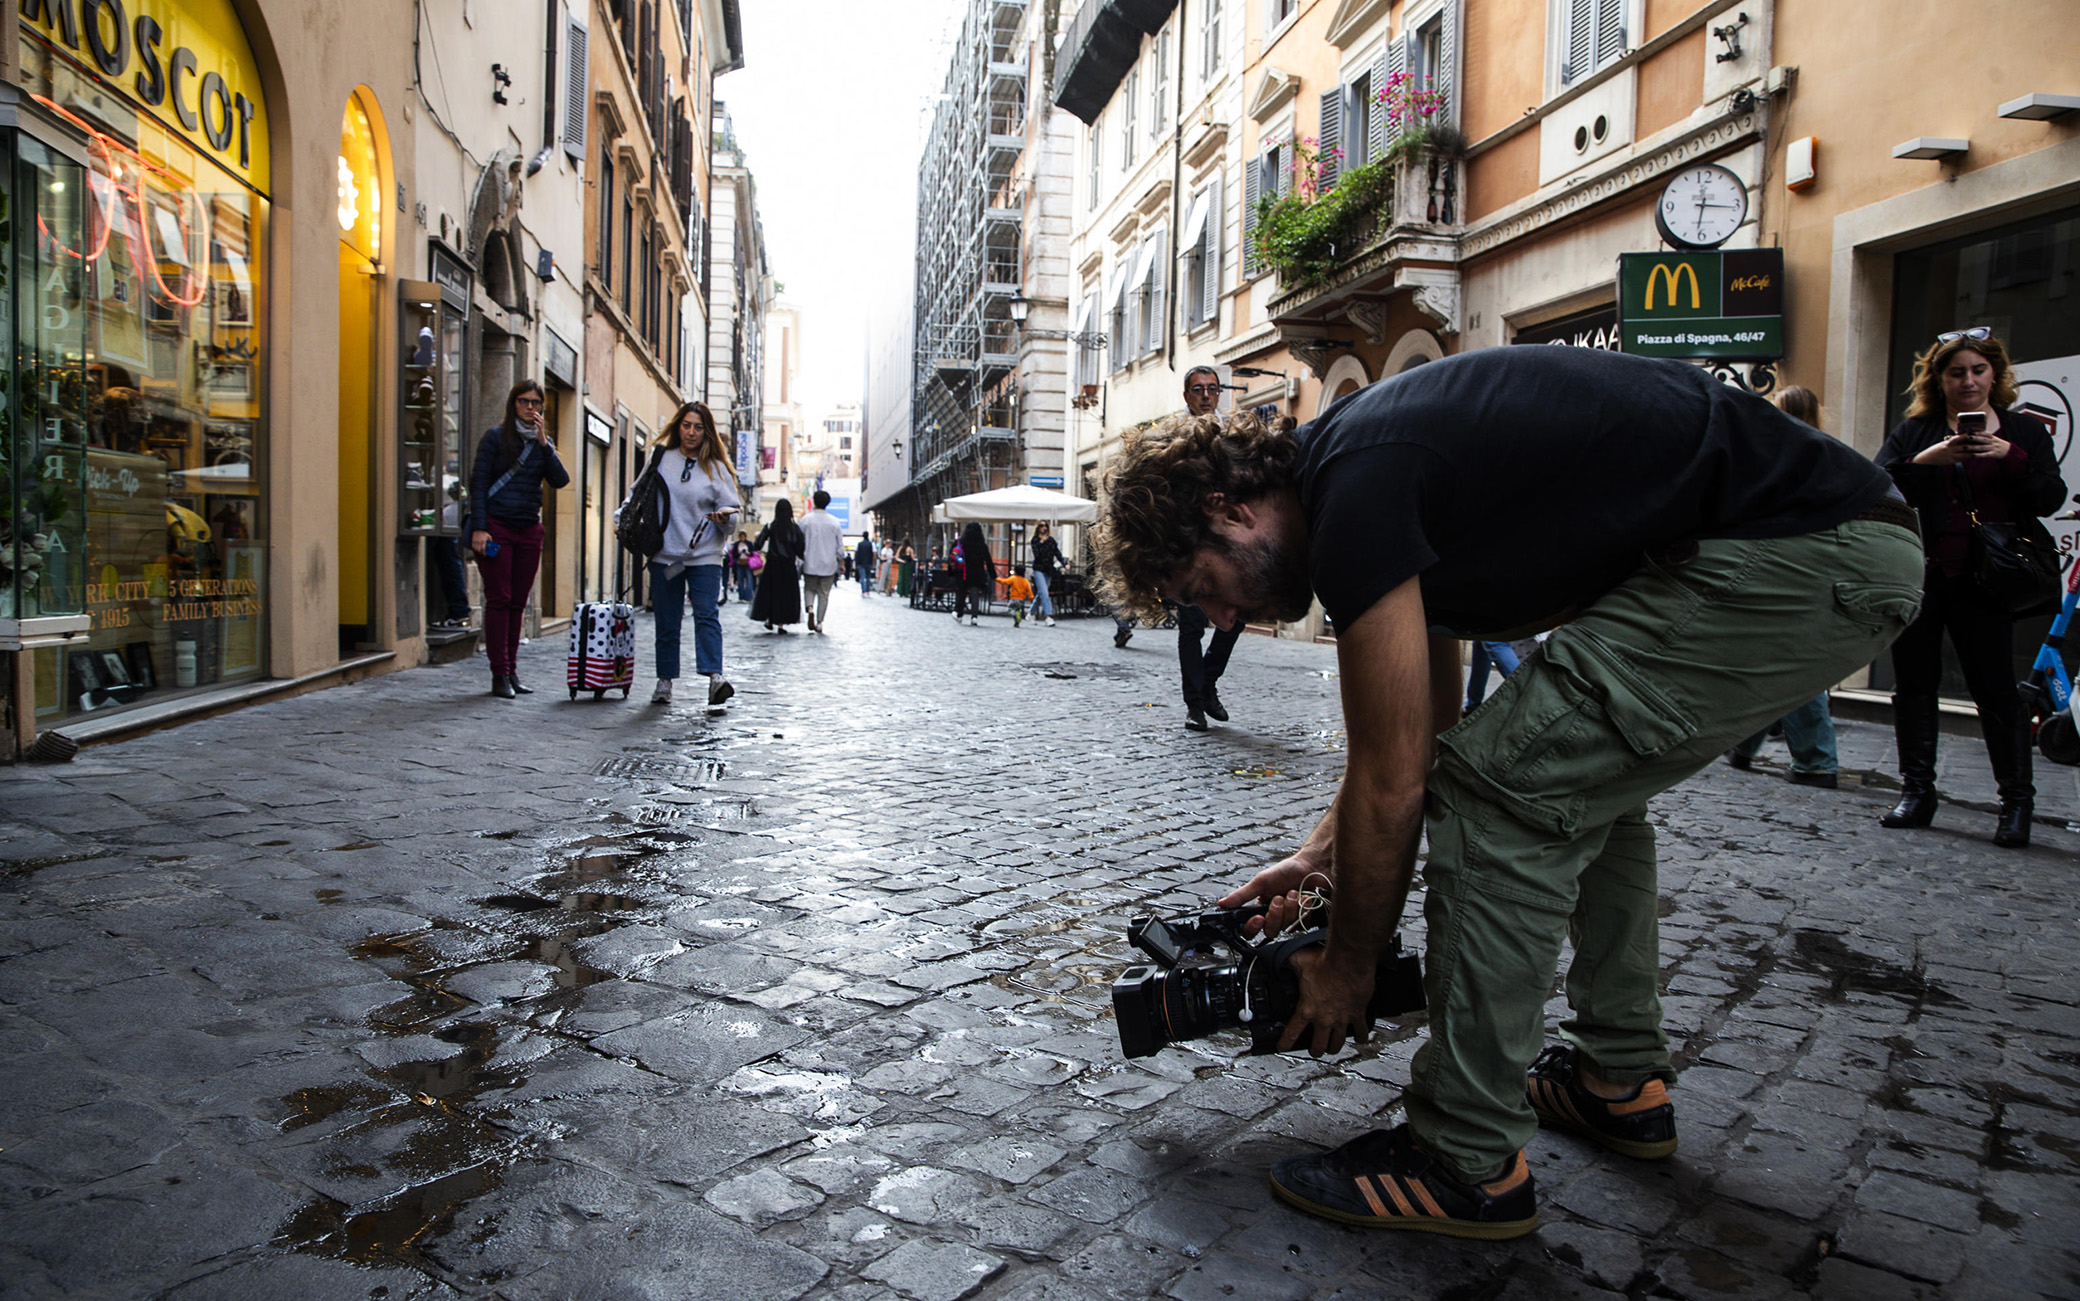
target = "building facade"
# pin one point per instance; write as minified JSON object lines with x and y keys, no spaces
{"x":988,"y":398}
{"x":648,"y":139}
{"x":739,"y":292}
{"x":1492,"y":160}
{"x":287,"y":273}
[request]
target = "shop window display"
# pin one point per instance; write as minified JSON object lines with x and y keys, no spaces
{"x":148,"y":299}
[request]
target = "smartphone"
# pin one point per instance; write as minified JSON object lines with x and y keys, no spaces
{"x":1972,"y":425}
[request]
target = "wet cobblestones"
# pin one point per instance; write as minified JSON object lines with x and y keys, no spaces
{"x":399,"y":987}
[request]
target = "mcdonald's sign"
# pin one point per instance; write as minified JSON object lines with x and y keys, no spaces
{"x":1723,"y":304}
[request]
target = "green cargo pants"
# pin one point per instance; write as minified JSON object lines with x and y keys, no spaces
{"x":1537,"y":806}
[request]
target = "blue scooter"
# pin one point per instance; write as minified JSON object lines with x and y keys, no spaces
{"x":2050,"y":686}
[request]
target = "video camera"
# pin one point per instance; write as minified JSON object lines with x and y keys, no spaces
{"x":1210,"y":976}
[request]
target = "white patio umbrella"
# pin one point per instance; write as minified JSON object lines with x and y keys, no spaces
{"x":1023,"y":502}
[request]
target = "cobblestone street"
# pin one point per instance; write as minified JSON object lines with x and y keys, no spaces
{"x":399,"y":990}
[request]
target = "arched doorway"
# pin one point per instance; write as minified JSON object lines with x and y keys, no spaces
{"x":360,"y":270}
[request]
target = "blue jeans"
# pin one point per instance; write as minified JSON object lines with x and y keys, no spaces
{"x":698,"y":586}
{"x":747,"y":583}
{"x":1809,"y":731}
{"x":1043,"y":604}
{"x":1485,"y":652}
{"x":866,"y":579}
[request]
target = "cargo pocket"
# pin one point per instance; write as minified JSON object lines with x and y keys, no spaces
{"x":1571,"y":723}
{"x":1878,"y":606}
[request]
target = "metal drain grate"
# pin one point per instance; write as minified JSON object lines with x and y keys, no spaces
{"x":626,"y":766}
{"x":655,"y":814}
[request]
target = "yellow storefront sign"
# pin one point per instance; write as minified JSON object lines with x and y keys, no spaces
{"x":185,"y":62}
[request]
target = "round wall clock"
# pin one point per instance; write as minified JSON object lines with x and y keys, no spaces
{"x":1701,"y":206}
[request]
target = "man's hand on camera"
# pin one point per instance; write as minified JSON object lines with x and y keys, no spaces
{"x":1278,"y":888}
{"x":1333,"y":997}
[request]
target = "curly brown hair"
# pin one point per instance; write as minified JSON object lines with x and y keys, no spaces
{"x":1153,"y":499}
{"x":1927,"y":389}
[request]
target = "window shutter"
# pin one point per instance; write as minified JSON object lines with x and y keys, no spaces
{"x":1252,"y":193}
{"x":576,"y":102}
{"x":1282,"y":168}
{"x":1610,"y":30}
{"x":1580,"y":47}
{"x":1331,"y":136}
{"x":1210,"y":257}
{"x":1158,"y":294}
{"x":1448,"y":63}
{"x":1383,"y":68}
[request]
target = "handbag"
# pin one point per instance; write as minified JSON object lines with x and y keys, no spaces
{"x":640,"y":524}
{"x":2014,"y":566}
{"x":757,"y":562}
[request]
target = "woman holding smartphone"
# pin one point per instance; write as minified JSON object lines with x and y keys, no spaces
{"x":687,"y":571}
{"x":515,"y":460}
{"x":1959,"y":452}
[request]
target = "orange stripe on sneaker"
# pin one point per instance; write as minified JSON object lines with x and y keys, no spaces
{"x":1379,"y":1207}
{"x":1518,"y":1172}
{"x":1423,"y":1195}
{"x":1652,"y":1094}
{"x":1393,"y":1187}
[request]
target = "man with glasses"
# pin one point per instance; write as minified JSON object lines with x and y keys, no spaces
{"x":1202,"y":671}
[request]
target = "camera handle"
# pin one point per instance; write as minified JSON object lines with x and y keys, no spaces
{"x":1279,"y":952}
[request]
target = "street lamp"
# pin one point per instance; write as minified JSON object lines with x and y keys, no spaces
{"x":1021,"y":305}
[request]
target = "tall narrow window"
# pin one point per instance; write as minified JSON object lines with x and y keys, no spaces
{"x":1128,"y":103}
{"x":576,"y":101}
{"x":1095,"y":146}
{"x":1210,"y":63}
{"x":1159,"y":86}
{"x":606,"y":219}
{"x":628,"y":239}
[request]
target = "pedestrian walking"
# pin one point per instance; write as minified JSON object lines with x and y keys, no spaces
{"x":1486,"y":655}
{"x":1018,"y":594}
{"x":1808,"y":729}
{"x":1047,"y":567}
{"x":885,"y":563}
{"x":732,"y":555}
{"x":749,"y":562}
{"x":1722,"y":563}
{"x":978,"y":574}
{"x":778,"y":551}
{"x":864,"y":557}
{"x":1963,"y":458}
{"x":823,"y":542}
{"x":516,"y":460}
{"x":686,"y":573}
{"x":1201,"y":669}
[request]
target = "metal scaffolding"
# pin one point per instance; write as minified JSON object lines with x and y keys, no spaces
{"x":970,"y":215}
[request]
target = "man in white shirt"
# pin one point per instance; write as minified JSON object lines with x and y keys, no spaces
{"x":823,"y":556}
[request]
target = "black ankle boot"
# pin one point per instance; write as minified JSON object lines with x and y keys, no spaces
{"x":519,"y":688}
{"x":1915,"y":809}
{"x":501,"y":686}
{"x":2012,"y":832}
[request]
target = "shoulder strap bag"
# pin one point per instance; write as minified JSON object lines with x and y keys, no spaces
{"x":2015,"y":566}
{"x":640,"y":525}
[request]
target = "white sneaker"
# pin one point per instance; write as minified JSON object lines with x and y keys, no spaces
{"x":663,"y":694}
{"x":1050,"y":623}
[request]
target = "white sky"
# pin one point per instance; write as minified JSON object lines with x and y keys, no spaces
{"x":831,"y":109}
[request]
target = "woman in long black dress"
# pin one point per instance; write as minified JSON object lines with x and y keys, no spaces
{"x":778,"y":601}
{"x":978,"y":574}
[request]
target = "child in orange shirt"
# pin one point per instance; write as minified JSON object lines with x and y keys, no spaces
{"x":1017,"y":591}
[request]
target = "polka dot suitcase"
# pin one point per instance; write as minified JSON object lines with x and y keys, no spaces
{"x":603,"y":649}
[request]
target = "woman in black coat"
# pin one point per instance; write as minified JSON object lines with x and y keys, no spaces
{"x":978,"y":574}
{"x":2007,"y":472}
{"x":778,"y":601}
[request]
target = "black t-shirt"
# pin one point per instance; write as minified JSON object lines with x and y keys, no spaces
{"x":1524,"y":482}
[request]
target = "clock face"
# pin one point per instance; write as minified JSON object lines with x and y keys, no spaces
{"x":1701,"y":206}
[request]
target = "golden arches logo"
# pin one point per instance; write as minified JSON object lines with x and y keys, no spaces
{"x":1674,"y":273}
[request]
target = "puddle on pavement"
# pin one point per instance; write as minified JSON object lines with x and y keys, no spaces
{"x":455,"y":1142}
{"x":1850,"y":972}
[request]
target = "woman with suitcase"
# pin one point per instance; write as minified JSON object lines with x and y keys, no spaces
{"x":696,"y":471}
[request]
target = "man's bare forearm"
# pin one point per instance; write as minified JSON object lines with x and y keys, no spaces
{"x":1377,"y":834}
